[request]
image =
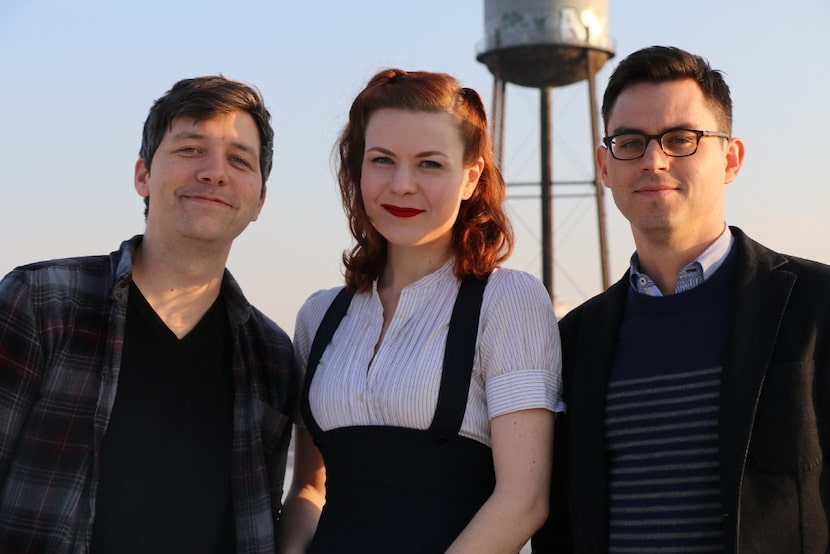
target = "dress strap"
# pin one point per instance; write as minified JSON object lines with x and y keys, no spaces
{"x":331,"y":320}
{"x":459,"y":354}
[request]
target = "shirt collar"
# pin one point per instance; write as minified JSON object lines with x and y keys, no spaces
{"x":239,"y":309}
{"x":691,"y":275}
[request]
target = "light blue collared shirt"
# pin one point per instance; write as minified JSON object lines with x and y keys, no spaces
{"x":692,"y":275}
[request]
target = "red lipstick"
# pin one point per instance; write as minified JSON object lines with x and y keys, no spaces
{"x":399,"y":211}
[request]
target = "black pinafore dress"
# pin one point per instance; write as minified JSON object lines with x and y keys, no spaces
{"x":399,"y":490}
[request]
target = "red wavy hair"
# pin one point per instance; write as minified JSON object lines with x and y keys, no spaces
{"x":482,"y":237}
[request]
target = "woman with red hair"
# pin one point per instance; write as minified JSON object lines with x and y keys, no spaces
{"x":433,"y":376}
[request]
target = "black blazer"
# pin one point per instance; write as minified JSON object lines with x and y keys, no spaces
{"x":774,"y":411}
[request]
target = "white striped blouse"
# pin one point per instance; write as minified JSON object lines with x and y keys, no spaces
{"x":517,"y":362}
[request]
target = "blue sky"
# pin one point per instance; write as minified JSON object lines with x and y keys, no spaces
{"x":79,"y":77}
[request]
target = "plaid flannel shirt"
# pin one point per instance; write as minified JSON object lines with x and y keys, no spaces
{"x":61,"y":338}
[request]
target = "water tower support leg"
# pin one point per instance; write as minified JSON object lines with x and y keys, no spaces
{"x":598,"y":186}
{"x":547,"y":189}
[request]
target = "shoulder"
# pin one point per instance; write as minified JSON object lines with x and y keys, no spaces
{"x":606,"y":304}
{"x":756,"y":255}
{"x":269,"y":329}
{"x":810,"y":284}
{"x":254,"y":326}
{"x":85,"y":272}
{"x":804,"y":267}
{"x":82,"y":271}
{"x":58,"y":297}
{"x":54,"y":269}
{"x":512,"y":285}
{"x":310,"y":315}
{"x":515,"y":298}
{"x":263,"y":333}
{"x":809,"y":272}
{"x":315,"y":306}
{"x":62,"y":278}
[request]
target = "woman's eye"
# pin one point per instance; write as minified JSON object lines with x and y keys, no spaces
{"x":430,"y":164}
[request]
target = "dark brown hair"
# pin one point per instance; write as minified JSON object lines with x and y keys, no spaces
{"x":659,"y":64}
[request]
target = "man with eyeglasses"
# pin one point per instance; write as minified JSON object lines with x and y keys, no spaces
{"x":698,"y":386}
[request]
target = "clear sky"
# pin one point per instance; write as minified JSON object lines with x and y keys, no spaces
{"x":78,"y":78}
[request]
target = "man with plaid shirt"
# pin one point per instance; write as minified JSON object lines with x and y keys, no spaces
{"x":144,"y":403}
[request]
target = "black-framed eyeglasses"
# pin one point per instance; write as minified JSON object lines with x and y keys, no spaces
{"x":676,"y":143}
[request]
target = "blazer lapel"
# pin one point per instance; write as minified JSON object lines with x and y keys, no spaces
{"x":759,"y":299}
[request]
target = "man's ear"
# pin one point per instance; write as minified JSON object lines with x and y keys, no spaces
{"x":735,"y":152}
{"x":602,"y":159}
{"x":142,"y":176}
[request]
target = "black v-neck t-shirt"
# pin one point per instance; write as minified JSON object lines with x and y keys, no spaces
{"x":165,"y":462}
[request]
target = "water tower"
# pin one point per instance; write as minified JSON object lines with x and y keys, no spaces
{"x":544,"y":44}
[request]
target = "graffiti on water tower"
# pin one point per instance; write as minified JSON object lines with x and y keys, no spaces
{"x":568,"y":24}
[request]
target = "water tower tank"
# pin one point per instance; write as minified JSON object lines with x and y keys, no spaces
{"x":544,"y":43}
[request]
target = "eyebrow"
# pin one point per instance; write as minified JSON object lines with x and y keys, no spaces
{"x":624,"y":130}
{"x":424,"y":154}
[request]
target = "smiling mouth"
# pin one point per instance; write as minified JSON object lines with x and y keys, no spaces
{"x":654,"y":185}
{"x":206,"y":199}
{"x":655,"y":190}
{"x":398,"y":211}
